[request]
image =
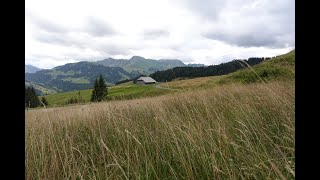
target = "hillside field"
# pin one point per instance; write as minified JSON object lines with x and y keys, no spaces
{"x":120,"y":92}
{"x":236,"y":126}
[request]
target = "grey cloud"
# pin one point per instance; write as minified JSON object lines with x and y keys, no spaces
{"x":113,"y":49}
{"x":80,"y":43}
{"x":96,"y":27}
{"x":52,"y":38}
{"x":156,"y":33}
{"x":268,"y":24}
{"x":254,"y":39}
{"x":50,"y":27}
{"x":117,"y":51}
{"x":45,"y":25}
{"x":205,"y":8}
{"x":245,"y":40}
{"x":93,"y":26}
{"x":243,"y":23}
{"x":60,"y":39}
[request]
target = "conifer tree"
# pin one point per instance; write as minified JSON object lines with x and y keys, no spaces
{"x":100,"y":91}
{"x":103,"y":91}
{"x":95,"y":90}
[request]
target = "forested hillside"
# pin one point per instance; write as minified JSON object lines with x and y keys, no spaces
{"x":214,"y":70}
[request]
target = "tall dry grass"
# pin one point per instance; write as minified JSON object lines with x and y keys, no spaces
{"x":229,"y":132}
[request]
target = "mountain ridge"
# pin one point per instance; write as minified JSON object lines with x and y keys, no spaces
{"x":143,"y":65}
{"x":31,"y":69}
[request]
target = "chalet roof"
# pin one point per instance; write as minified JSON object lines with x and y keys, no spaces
{"x":146,"y":79}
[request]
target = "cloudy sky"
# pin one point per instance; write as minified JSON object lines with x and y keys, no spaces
{"x":195,"y":31}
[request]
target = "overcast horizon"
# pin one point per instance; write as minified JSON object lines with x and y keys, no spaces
{"x":193,"y":31}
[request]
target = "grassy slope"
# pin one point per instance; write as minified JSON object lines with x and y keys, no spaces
{"x":279,"y":68}
{"x":240,"y":130}
{"x":194,"y":83}
{"x":228,"y":132}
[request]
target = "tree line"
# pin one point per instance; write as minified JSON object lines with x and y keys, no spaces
{"x":213,"y":70}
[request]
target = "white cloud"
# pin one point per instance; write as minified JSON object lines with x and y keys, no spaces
{"x":203,"y":31}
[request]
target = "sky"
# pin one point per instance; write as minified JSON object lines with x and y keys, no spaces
{"x":195,"y":31}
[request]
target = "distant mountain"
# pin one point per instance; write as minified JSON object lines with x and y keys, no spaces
{"x":31,"y":69}
{"x":81,"y":75}
{"x":76,"y":76}
{"x":138,"y":64}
